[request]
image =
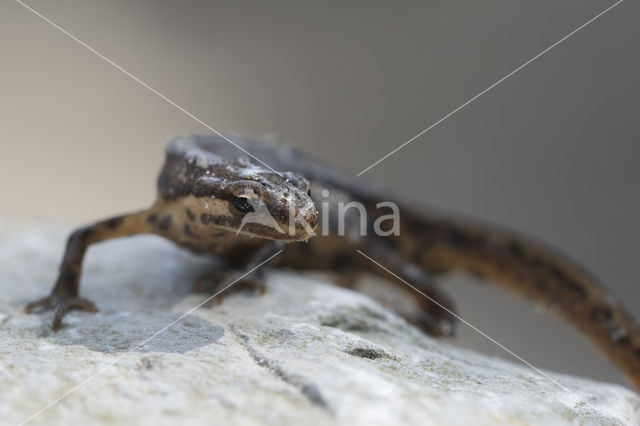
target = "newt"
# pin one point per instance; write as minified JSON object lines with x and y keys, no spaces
{"x":208,"y":190}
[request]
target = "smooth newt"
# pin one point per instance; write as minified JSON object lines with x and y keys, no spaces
{"x":208,"y":188}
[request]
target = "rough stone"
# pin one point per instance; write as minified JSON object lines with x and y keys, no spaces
{"x":306,"y":352}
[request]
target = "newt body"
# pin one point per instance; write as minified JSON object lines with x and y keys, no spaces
{"x":208,"y":188}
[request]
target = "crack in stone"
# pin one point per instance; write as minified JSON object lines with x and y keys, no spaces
{"x":308,"y":389}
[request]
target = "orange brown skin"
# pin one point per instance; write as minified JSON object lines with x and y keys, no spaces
{"x":199,"y":167}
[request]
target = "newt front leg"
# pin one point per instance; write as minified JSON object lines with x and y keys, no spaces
{"x":64,"y":296}
{"x":247,"y":276}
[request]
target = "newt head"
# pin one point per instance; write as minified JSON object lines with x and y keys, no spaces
{"x":236,"y":195}
{"x":260,"y":204}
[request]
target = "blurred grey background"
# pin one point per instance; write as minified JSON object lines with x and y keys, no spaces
{"x":553,"y":151}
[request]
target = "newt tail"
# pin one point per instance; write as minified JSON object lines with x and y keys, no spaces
{"x":536,"y":272}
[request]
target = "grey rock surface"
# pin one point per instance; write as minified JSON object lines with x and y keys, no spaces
{"x":304,"y":353}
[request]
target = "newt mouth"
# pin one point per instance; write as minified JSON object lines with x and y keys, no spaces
{"x":254,"y":230}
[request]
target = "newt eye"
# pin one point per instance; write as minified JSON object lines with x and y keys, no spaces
{"x":242,"y":204}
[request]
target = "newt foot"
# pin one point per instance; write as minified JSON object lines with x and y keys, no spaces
{"x":61,"y":305}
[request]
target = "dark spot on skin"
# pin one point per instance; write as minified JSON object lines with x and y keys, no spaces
{"x":600,"y":313}
{"x":82,"y":234}
{"x":414,"y":226}
{"x":68,"y":275}
{"x":211,"y":219}
{"x":458,"y":238}
{"x":165,"y":223}
{"x":556,"y":271}
{"x":386,"y":226}
{"x":190,"y":215}
{"x":188,"y":231}
{"x":568,"y":283}
{"x":79,"y":239}
{"x":516,"y":249}
{"x":152,"y":218}
{"x":624,"y":340}
{"x":341,"y":263}
{"x":542,"y":285}
{"x":575,"y":288}
{"x":416,"y":257}
{"x":113,"y":223}
{"x":536,"y":262}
